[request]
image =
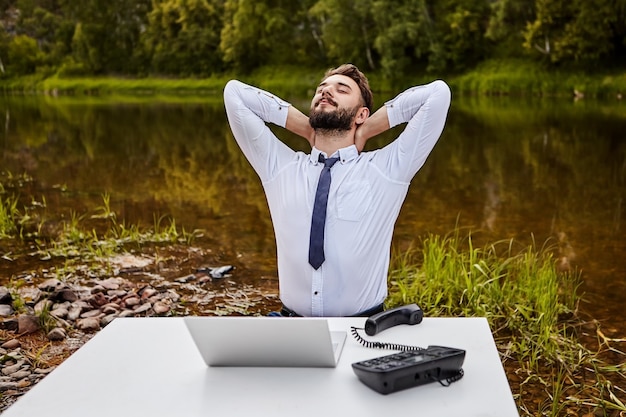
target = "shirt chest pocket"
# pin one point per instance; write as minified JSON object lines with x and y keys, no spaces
{"x":354,"y":199}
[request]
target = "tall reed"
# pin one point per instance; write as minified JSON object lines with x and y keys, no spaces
{"x":8,"y":216}
{"x":532,"y":309}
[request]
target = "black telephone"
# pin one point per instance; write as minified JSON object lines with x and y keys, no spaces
{"x":410,"y":367}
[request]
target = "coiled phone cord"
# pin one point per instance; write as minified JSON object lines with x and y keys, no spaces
{"x":381,"y":345}
{"x":394,"y":346}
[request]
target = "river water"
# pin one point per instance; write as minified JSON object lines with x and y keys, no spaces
{"x":549,"y":171}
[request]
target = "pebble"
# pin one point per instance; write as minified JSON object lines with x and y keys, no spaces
{"x":57,"y":334}
{"x":27,"y":323}
{"x":143,"y":308}
{"x":11,"y":344}
{"x":23,"y":383}
{"x":91,"y":313}
{"x":11,"y":369}
{"x":74,"y":312}
{"x":6,"y":310}
{"x":88,"y":324}
{"x":20,"y":374}
{"x":76,"y":309}
{"x":160,"y":307}
{"x":132,"y":301}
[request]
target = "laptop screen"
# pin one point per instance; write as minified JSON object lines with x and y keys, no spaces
{"x":266,"y":341}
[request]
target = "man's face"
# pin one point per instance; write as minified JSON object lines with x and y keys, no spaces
{"x":335,"y":103}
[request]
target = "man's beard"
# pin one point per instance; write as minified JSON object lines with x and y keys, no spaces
{"x":339,"y":120}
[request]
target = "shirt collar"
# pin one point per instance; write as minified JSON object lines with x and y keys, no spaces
{"x":346,"y":154}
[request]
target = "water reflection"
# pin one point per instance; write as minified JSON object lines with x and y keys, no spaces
{"x":533,"y":169}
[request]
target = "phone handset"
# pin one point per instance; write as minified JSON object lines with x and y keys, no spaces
{"x":409,"y":314}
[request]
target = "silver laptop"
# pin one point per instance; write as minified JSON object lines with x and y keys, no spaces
{"x":266,"y":341}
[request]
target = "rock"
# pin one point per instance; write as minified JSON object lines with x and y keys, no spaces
{"x":147,"y":292}
{"x":66,"y":305}
{"x":57,"y":334}
{"x":6,"y":310}
{"x":20,"y":374}
{"x":116,"y":293}
{"x":74,"y":312}
{"x":51,"y":285}
{"x":88,"y":324}
{"x":98,"y":299}
{"x":65,"y":294}
{"x":11,"y":344}
{"x":91,"y":313}
{"x":30,"y":295}
{"x":111,"y":283}
{"x":10,"y":325}
{"x":106,"y":320}
{"x":23,"y":383}
{"x":110,"y":308}
{"x":60,"y":312}
{"x":160,"y":307}
{"x":27,"y":323}
{"x":11,"y":369}
{"x":5,"y":296}
{"x":143,"y":308}
{"x":132,"y":301}
{"x":126,"y":313}
{"x":221,"y":271}
{"x":7,"y":385}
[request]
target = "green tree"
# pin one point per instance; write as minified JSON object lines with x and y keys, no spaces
{"x":432,"y":35}
{"x":23,"y":55}
{"x":406,"y":35}
{"x":461,"y":28}
{"x":348,"y":30}
{"x":107,"y":33}
{"x":260,"y":32}
{"x":572,"y":31}
{"x":183,"y":36}
{"x":507,"y":22}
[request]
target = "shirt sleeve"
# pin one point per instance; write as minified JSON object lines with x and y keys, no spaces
{"x":424,"y":108}
{"x":249,"y":109}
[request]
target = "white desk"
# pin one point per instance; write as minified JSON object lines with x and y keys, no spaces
{"x":150,"y":367}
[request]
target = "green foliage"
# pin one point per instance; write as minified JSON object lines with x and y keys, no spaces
{"x":396,"y":39}
{"x":258,"y":33}
{"x":574,"y":31}
{"x":530,"y":306}
{"x":521,"y":77}
{"x":198,"y":38}
{"x":347,"y":30}
{"x":8,"y":216}
{"x":23,"y":55}
{"x":183,"y":37}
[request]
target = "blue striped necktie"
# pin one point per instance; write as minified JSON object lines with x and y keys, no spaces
{"x":318,"y":221}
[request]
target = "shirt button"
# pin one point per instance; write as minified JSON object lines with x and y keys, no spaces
{"x":315,"y":293}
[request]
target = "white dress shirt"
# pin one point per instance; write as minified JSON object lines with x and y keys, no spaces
{"x":366,"y":193}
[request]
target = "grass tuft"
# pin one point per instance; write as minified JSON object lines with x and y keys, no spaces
{"x":532,"y":309}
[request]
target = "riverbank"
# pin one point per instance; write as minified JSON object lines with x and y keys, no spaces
{"x":494,"y":77}
{"x":92,"y":268}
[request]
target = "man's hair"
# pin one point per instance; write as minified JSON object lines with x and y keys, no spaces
{"x":351,"y":71}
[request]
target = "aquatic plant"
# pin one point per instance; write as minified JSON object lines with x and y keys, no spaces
{"x":532,"y":309}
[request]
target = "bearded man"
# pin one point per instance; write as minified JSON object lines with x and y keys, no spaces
{"x":334,"y":209}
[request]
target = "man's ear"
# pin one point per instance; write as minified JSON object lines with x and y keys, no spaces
{"x":362,"y":115}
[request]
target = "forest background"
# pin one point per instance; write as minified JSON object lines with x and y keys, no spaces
{"x":486,"y":46}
